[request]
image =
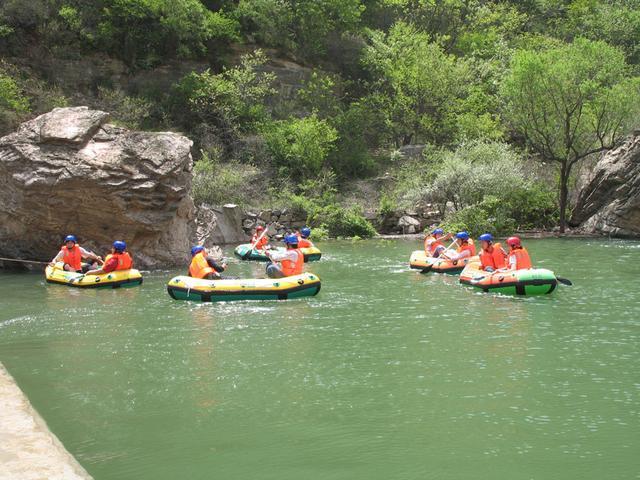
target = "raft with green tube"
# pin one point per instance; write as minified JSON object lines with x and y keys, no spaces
{"x":115,"y":279}
{"x":245,"y":252}
{"x":530,"y":281}
{"x":225,"y":290}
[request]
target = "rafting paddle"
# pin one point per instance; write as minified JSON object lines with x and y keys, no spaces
{"x":253,"y":244}
{"x":564,"y":281}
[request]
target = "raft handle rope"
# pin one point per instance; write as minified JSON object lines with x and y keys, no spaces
{"x":23,"y":261}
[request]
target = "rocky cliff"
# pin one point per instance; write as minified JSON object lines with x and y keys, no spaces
{"x":68,"y":171}
{"x":609,"y":202}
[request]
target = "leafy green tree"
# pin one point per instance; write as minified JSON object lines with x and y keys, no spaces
{"x":300,"y":146}
{"x":570,"y":102}
{"x":232,"y":101}
{"x":142,"y":32}
{"x":14,"y":105}
{"x":417,"y":85}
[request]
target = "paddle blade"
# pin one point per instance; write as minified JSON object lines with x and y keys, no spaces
{"x":564,"y":281}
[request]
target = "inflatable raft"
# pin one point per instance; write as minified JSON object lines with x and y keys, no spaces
{"x":245,"y":252}
{"x":532,"y":281}
{"x":421,"y":261}
{"x":189,"y":288}
{"x":116,"y":279}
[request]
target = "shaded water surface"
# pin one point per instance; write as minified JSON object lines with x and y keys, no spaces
{"x":386,"y":374}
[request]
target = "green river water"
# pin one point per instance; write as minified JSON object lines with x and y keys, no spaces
{"x":386,"y":374}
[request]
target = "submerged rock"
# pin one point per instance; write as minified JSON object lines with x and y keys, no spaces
{"x":68,"y":171}
{"x":609,"y":203}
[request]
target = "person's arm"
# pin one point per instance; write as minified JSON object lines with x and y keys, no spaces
{"x":92,"y":256}
{"x":57,"y":258}
{"x":217,"y":267}
{"x":107,"y":267}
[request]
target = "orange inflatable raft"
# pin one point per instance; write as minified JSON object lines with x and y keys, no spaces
{"x":421,"y":261}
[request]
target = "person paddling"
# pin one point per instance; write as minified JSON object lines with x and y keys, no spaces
{"x":519,"y":258}
{"x":433,"y":245}
{"x":204,"y":265}
{"x":465,"y":249}
{"x":303,"y":238}
{"x":260,"y":239}
{"x":492,"y":255}
{"x":118,"y":259}
{"x":71,"y":254}
{"x":291,"y":260}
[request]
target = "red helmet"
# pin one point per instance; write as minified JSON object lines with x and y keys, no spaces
{"x":259,"y":228}
{"x":514,"y":242}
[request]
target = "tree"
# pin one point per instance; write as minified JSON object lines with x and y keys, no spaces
{"x":417,"y":85}
{"x":570,"y":102}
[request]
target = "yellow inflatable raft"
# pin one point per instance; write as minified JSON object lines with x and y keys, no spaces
{"x":420,"y":261}
{"x":116,"y":279}
{"x":189,"y":288}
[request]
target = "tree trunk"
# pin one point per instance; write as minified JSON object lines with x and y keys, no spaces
{"x":564,"y":194}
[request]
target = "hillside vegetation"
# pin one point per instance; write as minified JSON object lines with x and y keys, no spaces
{"x":507,"y":97}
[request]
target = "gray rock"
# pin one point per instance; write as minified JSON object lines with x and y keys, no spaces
{"x":609,"y":203}
{"x":69,"y":172}
{"x":220,"y":225}
{"x":406,"y":221}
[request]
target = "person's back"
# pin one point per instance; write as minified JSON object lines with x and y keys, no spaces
{"x":519,"y":258}
{"x":303,"y":238}
{"x":293,"y":267}
{"x":123,"y":261}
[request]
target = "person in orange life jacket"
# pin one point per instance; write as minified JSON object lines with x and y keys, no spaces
{"x":492,"y":256}
{"x":72,"y":254}
{"x":433,"y":245}
{"x":262,"y":243}
{"x":291,"y":260}
{"x":118,"y":259}
{"x":205,"y":266}
{"x":465,"y":248}
{"x":303,"y":238}
{"x":518,"y":256}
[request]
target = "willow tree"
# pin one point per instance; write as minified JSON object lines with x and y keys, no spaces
{"x":571,"y":101}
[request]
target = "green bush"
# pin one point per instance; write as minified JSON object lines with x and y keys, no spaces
{"x":232,"y":101}
{"x":218,"y":183}
{"x":131,"y":112}
{"x":300,"y":146}
{"x":343,"y":222}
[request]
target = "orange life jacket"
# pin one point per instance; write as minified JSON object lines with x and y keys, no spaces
{"x":125,"y":262}
{"x":495,"y":258}
{"x":469,"y":246}
{"x":523,"y":260}
{"x":290,"y":267}
{"x":260,"y":243}
{"x":72,"y":257}
{"x":430,"y":248}
{"x":304,"y":243}
{"x":199,"y":267}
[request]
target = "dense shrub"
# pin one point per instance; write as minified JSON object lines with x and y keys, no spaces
{"x":300,"y":146}
{"x":14,"y":105}
{"x":217,"y":183}
{"x":131,"y":112}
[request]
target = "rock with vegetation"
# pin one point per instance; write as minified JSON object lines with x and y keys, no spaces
{"x":68,"y":171}
{"x":609,"y":203}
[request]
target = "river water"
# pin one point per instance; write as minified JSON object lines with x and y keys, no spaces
{"x":386,"y":374}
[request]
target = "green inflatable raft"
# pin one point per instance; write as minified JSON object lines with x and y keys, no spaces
{"x":245,"y":252}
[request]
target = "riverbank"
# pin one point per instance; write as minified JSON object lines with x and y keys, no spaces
{"x":28,"y":449}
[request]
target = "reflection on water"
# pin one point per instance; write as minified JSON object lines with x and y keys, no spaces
{"x":387,"y":373}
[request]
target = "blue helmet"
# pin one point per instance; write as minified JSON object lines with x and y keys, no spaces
{"x":70,"y":238}
{"x":305,"y":232}
{"x":196,"y":249}
{"x":438,"y":231}
{"x":462,"y":235}
{"x":486,"y":237}
{"x":291,"y":239}
{"x":119,"y":246}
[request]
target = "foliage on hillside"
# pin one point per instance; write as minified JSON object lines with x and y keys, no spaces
{"x":552,"y":80}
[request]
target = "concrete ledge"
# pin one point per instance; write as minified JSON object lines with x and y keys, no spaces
{"x":28,"y":449}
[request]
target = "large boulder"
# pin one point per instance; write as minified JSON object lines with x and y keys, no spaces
{"x":609,"y":202}
{"x":220,"y":225}
{"x":68,"y":171}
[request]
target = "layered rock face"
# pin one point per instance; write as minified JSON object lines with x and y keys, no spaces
{"x":68,"y":171}
{"x":609,"y":203}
